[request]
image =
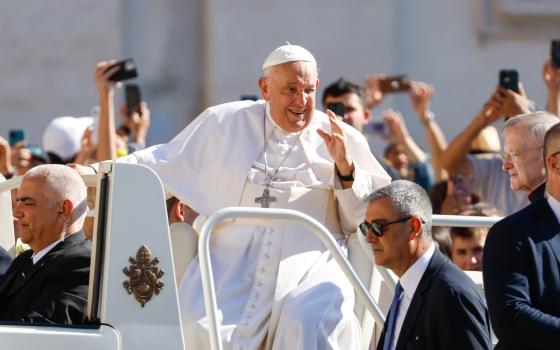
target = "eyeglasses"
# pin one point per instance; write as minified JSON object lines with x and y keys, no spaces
{"x":515,"y":155}
{"x":378,"y":228}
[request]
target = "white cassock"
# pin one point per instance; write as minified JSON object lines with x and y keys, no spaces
{"x":277,"y":286}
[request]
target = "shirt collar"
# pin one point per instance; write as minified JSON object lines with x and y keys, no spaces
{"x":411,"y":278}
{"x":41,"y":253}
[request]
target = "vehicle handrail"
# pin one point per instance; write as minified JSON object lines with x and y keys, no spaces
{"x":310,"y":223}
{"x":464,"y":220}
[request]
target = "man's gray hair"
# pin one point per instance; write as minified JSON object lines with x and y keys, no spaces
{"x":408,"y":199}
{"x":536,"y":124}
{"x":64,"y":183}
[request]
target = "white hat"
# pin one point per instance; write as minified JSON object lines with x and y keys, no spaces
{"x":288,"y":53}
{"x":63,"y":136}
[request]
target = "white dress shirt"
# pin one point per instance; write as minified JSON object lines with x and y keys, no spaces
{"x":409,"y":282}
{"x":41,"y":253}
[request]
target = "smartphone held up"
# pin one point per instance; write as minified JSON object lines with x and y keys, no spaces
{"x":509,"y":79}
{"x":133,"y":99}
{"x":337,"y":108}
{"x":15,"y":136}
{"x":398,"y":83}
{"x":126,"y":69}
{"x":555,"y":52}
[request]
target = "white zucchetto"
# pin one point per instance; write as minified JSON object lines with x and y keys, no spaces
{"x":288,"y":53}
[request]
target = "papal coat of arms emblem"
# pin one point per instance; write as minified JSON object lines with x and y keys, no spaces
{"x":143,"y":276}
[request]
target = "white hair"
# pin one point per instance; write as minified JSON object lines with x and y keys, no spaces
{"x":536,"y":124}
{"x":63,"y":183}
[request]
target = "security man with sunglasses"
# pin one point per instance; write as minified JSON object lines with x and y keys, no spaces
{"x":436,"y":306}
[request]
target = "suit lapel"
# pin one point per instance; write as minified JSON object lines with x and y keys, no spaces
{"x":418,"y":299}
{"x":547,"y":227}
{"x":14,"y":272}
{"x":18,"y":281}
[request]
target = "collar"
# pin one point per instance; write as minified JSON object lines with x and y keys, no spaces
{"x":554,"y":205}
{"x":411,"y":278}
{"x":539,"y":192}
{"x":41,"y":253}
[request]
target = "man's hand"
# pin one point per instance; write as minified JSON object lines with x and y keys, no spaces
{"x":490,"y":112}
{"x":551,"y":76}
{"x":336,"y":144}
{"x":397,"y":128}
{"x":138,"y":123}
{"x":512,"y":103}
{"x":101,"y":75}
{"x":373,"y":95}
{"x":420,"y":98}
{"x":21,"y":157}
{"x":87,"y":147}
{"x":6,"y":167}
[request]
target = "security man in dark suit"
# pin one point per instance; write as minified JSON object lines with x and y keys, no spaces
{"x":521,"y":266}
{"x":436,"y":306}
{"x":49,"y":282}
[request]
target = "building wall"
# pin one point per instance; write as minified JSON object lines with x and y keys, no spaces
{"x":200,"y":52}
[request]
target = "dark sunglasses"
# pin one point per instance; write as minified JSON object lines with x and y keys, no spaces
{"x":379,"y":228}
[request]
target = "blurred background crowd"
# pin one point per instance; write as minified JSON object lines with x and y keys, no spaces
{"x":383,"y":72}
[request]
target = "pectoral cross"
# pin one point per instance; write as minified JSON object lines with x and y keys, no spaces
{"x":265,"y":199}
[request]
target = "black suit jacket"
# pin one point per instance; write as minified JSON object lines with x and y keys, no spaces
{"x":521,"y":270}
{"x":54,"y":290}
{"x":5,"y":261}
{"x":446,"y":312}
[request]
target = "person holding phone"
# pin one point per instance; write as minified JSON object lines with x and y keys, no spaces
{"x":134,"y":115}
{"x":551,"y":78}
{"x":502,"y":181}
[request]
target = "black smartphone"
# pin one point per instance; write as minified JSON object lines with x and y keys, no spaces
{"x":16,"y":135}
{"x":248,"y":97}
{"x":133,"y":99}
{"x":399,"y":83}
{"x":379,"y":128}
{"x":509,"y":79}
{"x":555,"y":53}
{"x":127,"y":70}
{"x":337,"y":108}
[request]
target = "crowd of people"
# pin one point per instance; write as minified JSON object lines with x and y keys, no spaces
{"x":281,"y":152}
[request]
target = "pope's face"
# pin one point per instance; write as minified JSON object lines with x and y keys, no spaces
{"x":290,"y":89}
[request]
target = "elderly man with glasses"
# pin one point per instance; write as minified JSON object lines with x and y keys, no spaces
{"x":436,"y":306}
{"x":521,"y":160}
{"x":521,"y":266}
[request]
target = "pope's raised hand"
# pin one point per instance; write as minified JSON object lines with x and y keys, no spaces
{"x":337,"y":145}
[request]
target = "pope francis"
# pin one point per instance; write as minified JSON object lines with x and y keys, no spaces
{"x":277,"y":286}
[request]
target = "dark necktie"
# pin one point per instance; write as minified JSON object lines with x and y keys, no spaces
{"x":27,"y":268}
{"x":393,"y":312}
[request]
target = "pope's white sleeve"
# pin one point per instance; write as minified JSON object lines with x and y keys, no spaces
{"x":352,"y":201}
